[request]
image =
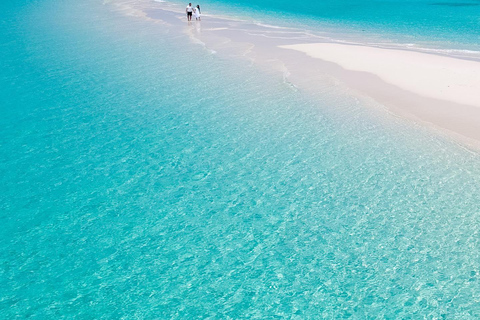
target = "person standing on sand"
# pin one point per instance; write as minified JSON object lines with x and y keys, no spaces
{"x":189,"y":11}
{"x":197,"y":12}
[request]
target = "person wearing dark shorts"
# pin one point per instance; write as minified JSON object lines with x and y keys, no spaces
{"x":189,"y":11}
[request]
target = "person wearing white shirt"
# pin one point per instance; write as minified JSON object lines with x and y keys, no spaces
{"x":189,"y":11}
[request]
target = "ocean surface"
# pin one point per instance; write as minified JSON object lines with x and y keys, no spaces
{"x":144,"y":178}
{"x":435,"y":24}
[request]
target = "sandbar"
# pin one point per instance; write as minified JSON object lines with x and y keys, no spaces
{"x":439,"y":90}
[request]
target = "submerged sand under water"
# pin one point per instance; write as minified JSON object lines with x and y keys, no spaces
{"x":154,"y":169}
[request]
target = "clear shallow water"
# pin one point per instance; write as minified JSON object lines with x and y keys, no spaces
{"x":142,"y":177}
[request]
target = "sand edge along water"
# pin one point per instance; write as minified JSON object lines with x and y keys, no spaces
{"x":441,"y":90}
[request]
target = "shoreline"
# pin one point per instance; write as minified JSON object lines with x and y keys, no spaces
{"x":433,"y":76}
{"x":436,"y":90}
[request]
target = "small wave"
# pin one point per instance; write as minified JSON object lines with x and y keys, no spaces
{"x":455,"y":4}
{"x":417,"y":47}
{"x":271,"y":26}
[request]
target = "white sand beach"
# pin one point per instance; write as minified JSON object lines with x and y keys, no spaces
{"x":428,"y":75}
{"x":440,"y":90}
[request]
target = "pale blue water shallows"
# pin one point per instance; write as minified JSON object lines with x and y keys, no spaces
{"x":144,"y":178}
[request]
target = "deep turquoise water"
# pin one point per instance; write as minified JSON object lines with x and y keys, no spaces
{"x":141,"y":177}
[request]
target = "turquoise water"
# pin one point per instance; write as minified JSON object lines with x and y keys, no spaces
{"x":141,"y":177}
